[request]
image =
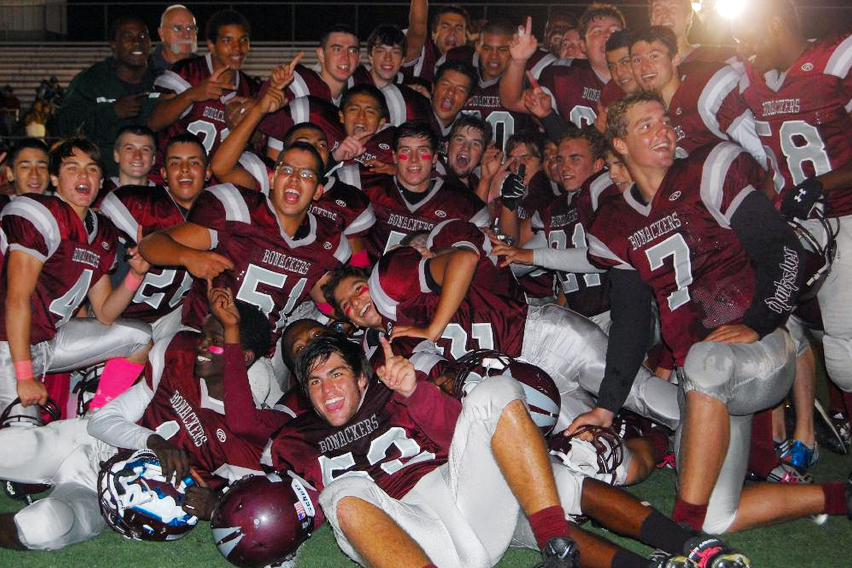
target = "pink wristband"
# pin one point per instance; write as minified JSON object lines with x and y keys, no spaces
{"x":24,"y":370}
{"x":132,"y":282}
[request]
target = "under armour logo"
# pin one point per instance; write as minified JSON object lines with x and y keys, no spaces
{"x":799,"y":195}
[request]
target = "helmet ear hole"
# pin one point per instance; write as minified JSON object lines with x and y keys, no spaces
{"x":820,"y":246}
{"x":137,"y":501}
{"x":263,"y":519}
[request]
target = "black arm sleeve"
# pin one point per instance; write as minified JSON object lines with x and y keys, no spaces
{"x":554,"y":126}
{"x":630,"y":309}
{"x":778,"y":260}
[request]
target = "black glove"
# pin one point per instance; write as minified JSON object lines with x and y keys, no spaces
{"x":513,"y":190}
{"x":800,"y":201}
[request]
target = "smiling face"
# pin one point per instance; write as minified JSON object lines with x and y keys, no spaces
{"x":352,"y":296}
{"x":650,"y":138}
{"x":29,"y":172}
{"x":340,"y":56}
{"x":186,"y":172}
{"x":78,"y":181}
{"x":179,"y":32}
{"x":449,"y":95}
{"x":576,"y":163}
{"x":132,"y":44}
{"x":414,"y":158}
{"x":494,"y":56}
{"x":231,"y":47}
{"x":621,"y":69}
{"x":335,"y":391}
{"x":653,"y":65}
{"x":135,"y":156}
{"x":449,"y":32}
{"x":674,"y":14}
{"x":597,"y":34}
{"x":295,"y":183}
{"x":209,"y":352}
{"x":551,"y":164}
{"x":465,"y":151}
{"x":385,"y":62}
{"x":361,"y":114}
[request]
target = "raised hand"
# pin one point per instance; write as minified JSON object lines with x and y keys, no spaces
{"x":351,"y":147}
{"x":523,"y":44}
{"x":282,"y":75}
{"x":212,"y":87}
{"x":397,"y":373}
{"x":138,"y":265}
{"x":222,"y":305}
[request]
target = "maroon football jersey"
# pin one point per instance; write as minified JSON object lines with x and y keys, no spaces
{"x":347,"y":206}
{"x":574,"y":88}
{"x":4,"y":243}
{"x":154,"y":209}
{"x":493,"y":314}
{"x":707,"y":108}
{"x":682,"y":244}
{"x":484,"y":102}
{"x":540,"y":193}
{"x":271,"y":270}
{"x":303,"y":109}
{"x":426,"y":63}
{"x":802,"y":116}
{"x":205,"y":119}
{"x":182,"y":404}
{"x":403,"y":102}
{"x":308,"y":81}
{"x":396,"y":217}
{"x":611,"y":93}
{"x":393,"y":440}
{"x":707,"y":54}
{"x":75,"y":255}
{"x":565,"y":222}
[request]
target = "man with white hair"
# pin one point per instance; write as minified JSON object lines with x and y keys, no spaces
{"x":178,"y":37}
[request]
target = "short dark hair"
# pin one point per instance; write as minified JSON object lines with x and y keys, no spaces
{"x":121,"y":21}
{"x":387,"y":34}
{"x":324,"y":346}
{"x":498,"y":26}
{"x":255,"y":329}
{"x":336,"y":29}
{"x":290,"y":135}
{"x":285,"y":338}
{"x":65,"y":149}
{"x":451,"y":9}
{"x":337,"y":276}
{"x":560,"y":13}
{"x":186,"y":138}
{"x":305,"y":147}
{"x":663,"y":34}
{"x":458,"y":66}
{"x":26,"y":144}
{"x":532,"y":139}
{"x":619,"y":39}
{"x":415,"y":129}
{"x":598,"y":11}
{"x":223,"y":18}
{"x":616,"y":113}
{"x":137,"y":130}
{"x":369,"y":90}
{"x":596,"y":140}
{"x":472,"y":121}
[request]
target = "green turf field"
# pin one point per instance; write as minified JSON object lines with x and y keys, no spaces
{"x":799,"y":544}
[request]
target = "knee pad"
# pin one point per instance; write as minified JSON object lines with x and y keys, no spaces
{"x":838,"y":361}
{"x":356,"y":486}
{"x":708,"y":369}
{"x":45,"y":524}
{"x":488,"y":400}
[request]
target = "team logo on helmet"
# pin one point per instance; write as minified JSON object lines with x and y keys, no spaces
{"x":592,"y":451}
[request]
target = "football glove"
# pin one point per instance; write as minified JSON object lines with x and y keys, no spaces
{"x":800,"y":201}
{"x":513,"y":190}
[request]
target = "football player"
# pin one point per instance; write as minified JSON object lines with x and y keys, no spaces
{"x":466,"y":149}
{"x":620,"y":69}
{"x":135,"y":208}
{"x":204,"y":95}
{"x":193,"y":409}
{"x":559,"y":22}
{"x":339,"y":54}
{"x":724,"y":269}
{"x":26,"y":167}
{"x":454,"y":81}
{"x":386,"y":47}
{"x":799,"y":91}
{"x":134,"y":152}
{"x":704,"y":104}
{"x":413,"y":199}
{"x":678,"y":15}
{"x":60,"y":252}
{"x":574,"y":85}
{"x":425,"y":47}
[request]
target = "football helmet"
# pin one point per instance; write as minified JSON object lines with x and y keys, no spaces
{"x":263,"y":519}
{"x":540,"y":390}
{"x":138,"y":502}
{"x":819,"y":256}
{"x":12,"y":417}
{"x":593,"y":451}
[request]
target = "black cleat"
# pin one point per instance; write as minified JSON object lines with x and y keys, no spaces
{"x":705,"y":551}
{"x":560,"y":552}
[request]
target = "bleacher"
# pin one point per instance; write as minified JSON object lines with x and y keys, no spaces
{"x":25,"y":65}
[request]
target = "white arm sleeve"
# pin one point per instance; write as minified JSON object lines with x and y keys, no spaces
{"x":568,"y":260}
{"x":537,"y":241}
{"x":115,"y":422}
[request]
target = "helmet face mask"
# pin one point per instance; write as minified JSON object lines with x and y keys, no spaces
{"x":263,"y":519}
{"x":819,"y":255}
{"x":138,"y":502}
{"x":592,"y":451}
{"x":13,"y":416}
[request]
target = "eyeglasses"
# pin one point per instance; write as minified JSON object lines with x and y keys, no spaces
{"x":304,"y":173}
{"x":177,"y":28}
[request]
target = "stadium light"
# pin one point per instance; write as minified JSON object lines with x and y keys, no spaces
{"x":729,"y":9}
{"x":696,"y":7}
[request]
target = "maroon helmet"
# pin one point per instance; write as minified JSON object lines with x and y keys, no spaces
{"x":541,"y":393}
{"x":593,"y":451}
{"x":263,"y":519}
{"x":12,"y":416}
